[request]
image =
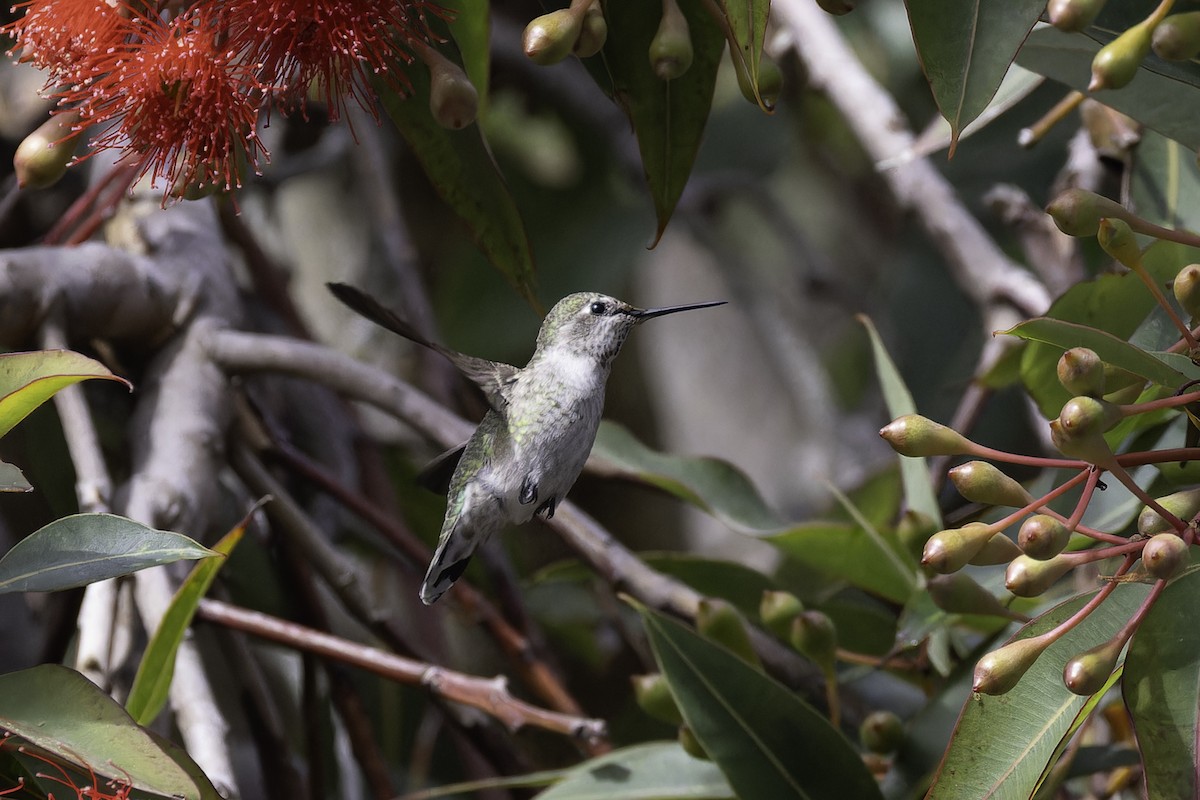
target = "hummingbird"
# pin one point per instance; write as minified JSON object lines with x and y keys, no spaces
{"x":540,"y":424}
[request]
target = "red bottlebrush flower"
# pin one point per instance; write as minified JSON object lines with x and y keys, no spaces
{"x":183,"y":107}
{"x":63,"y":36}
{"x":338,"y":44}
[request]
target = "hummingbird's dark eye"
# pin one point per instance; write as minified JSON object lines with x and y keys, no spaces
{"x":598,"y":308}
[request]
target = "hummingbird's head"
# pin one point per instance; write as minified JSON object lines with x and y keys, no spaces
{"x":595,"y":324}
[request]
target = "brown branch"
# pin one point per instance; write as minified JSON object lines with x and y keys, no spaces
{"x":488,"y":695}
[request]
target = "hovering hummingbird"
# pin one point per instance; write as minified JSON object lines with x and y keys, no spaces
{"x":535,"y":437}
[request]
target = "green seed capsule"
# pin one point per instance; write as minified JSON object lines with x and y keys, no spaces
{"x":881,"y":732}
{"x":1078,"y":213}
{"x":551,"y":37}
{"x":719,"y":621}
{"x":777,"y":610}
{"x":914,"y":530}
{"x":981,"y":482}
{"x":671,"y":48}
{"x":1073,"y":15}
{"x":916,"y":436}
{"x":1027,"y":577}
{"x":1177,"y":38}
{"x":594,"y":33}
{"x":43,"y":156}
{"x":814,"y":636}
{"x":1117,"y":62}
{"x":997,"y":550}
{"x":1081,"y":372}
{"x":960,"y":594}
{"x":690,"y":744}
{"x":998,"y":671}
{"x":1043,"y":537}
{"x":1086,"y":673}
{"x":653,"y":695}
{"x":1185,"y":505}
{"x":1117,"y":239}
{"x":1165,"y":555}
{"x":949,"y":550}
{"x":1186,"y":287}
{"x":453,"y":100}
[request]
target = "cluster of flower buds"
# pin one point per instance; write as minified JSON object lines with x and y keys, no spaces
{"x":1174,"y":37}
{"x":580,"y":29}
{"x":181,"y":92}
{"x":1050,"y":544}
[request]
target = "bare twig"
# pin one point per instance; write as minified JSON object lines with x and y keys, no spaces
{"x":490,"y":696}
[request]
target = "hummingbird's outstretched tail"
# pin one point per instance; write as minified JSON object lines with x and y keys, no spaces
{"x":532,"y":443}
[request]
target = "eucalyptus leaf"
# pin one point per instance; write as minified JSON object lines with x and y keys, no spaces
{"x":1002,"y":744}
{"x":29,"y":379}
{"x":65,"y":714}
{"x":754,"y":728}
{"x":660,"y":770}
{"x":12,"y":479}
{"x":965,"y":49}
{"x":84,"y":548}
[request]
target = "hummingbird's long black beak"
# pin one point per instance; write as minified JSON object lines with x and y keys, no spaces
{"x":641,"y":315}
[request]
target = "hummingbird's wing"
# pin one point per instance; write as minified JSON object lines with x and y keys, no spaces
{"x":493,"y":377}
{"x":437,"y":473}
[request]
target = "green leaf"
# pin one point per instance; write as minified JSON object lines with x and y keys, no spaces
{"x":65,"y":714}
{"x":847,"y":552}
{"x":754,"y":728}
{"x":1161,"y":684}
{"x":729,"y":580}
{"x":748,"y":26}
{"x":1001,"y":744}
{"x":965,"y":49}
{"x":914,"y":472}
{"x":461,"y":169}
{"x":152,"y":683}
{"x":660,"y":770}
{"x":715,"y":486}
{"x":1118,"y":352}
{"x":1117,"y":304}
{"x":12,"y":479}
{"x":84,"y":548}
{"x":668,"y":116}
{"x":1162,"y":95}
{"x":29,"y":379}
{"x":1165,"y":183}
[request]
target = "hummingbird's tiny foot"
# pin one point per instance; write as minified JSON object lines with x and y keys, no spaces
{"x":547,"y":508}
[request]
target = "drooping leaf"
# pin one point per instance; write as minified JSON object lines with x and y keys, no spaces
{"x":471,"y":28}
{"x":660,"y":770}
{"x":1001,"y":744}
{"x":84,"y":548}
{"x":1161,"y":686}
{"x":965,"y":49}
{"x":152,"y":683}
{"x":1116,"y":304}
{"x":1162,"y":95}
{"x":29,"y":379}
{"x":918,"y":485}
{"x":748,"y":26}
{"x":65,"y":714}
{"x":12,"y":479}
{"x":716,"y":486}
{"x":767,"y":741}
{"x":668,"y":116}
{"x":461,"y":169}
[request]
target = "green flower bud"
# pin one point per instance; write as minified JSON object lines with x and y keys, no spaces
{"x":981,"y":482}
{"x":1078,"y":213}
{"x":593,"y":34}
{"x":1164,"y":555}
{"x":719,"y":621}
{"x":960,"y":594}
{"x":1028,"y":577}
{"x":881,"y":732}
{"x":1081,"y":372}
{"x":453,"y":100}
{"x":914,"y":530}
{"x":42,"y":157}
{"x":1116,"y":237}
{"x":690,"y":744}
{"x":1043,"y":537}
{"x":1177,"y":38}
{"x":998,"y":671}
{"x":777,"y":610}
{"x":949,"y":550}
{"x":1086,"y":673}
{"x":997,"y":550}
{"x":671,"y":48}
{"x":1187,"y":289}
{"x":814,"y":636}
{"x":653,"y":695}
{"x":551,"y":37}
{"x":1184,"y":504}
{"x":916,"y":436}
{"x":1117,"y":62}
{"x":1073,"y":15}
